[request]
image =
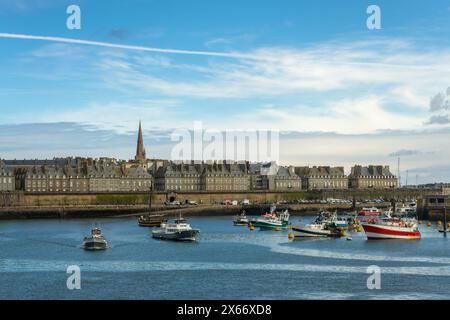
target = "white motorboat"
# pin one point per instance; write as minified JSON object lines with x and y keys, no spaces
{"x":95,"y":241}
{"x":178,"y":230}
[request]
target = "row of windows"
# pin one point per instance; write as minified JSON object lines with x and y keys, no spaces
{"x":225,"y":188}
{"x":287,"y":184}
{"x":327,"y":177}
{"x":178,"y":187}
{"x":331,"y":184}
{"x":80,"y":177}
{"x":375,"y":177}
{"x":183,"y":181}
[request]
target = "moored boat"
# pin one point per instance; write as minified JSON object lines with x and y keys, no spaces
{"x":272,"y":221}
{"x":392,"y":228}
{"x":369,"y":212}
{"x":151,"y":220}
{"x":325,"y":225}
{"x":241,"y":220}
{"x":178,"y":230}
{"x":312,"y":230}
{"x":442,"y":230}
{"x":95,"y":241}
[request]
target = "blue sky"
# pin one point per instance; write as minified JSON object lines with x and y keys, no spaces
{"x":309,"y":68}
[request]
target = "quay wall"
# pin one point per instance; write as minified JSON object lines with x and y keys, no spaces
{"x":25,"y":205}
{"x":13,"y":199}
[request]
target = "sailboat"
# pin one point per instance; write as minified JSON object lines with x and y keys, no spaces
{"x":151,"y":220}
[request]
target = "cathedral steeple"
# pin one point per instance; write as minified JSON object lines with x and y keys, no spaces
{"x":140,"y":150}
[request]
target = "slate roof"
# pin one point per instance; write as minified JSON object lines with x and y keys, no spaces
{"x":371,"y":171}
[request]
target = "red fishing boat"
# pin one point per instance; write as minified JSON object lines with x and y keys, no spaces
{"x":370,"y":212}
{"x":392,"y":228}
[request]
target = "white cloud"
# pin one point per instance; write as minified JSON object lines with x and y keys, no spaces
{"x":340,"y":86}
{"x":347,"y":116}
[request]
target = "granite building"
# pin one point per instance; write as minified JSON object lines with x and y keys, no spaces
{"x":322,"y":177}
{"x":85,"y":176}
{"x":372,"y":177}
{"x":7,"y":180}
{"x":179,"y":177}
{"x":271,"y":177}
{"x":222,"y":176}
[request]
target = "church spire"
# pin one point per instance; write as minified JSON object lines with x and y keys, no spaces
{"x":140,"y":150}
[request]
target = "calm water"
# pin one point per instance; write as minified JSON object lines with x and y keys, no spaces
{"x":227,"y":263}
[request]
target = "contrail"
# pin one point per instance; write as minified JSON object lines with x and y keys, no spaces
{"x":127,"y":47}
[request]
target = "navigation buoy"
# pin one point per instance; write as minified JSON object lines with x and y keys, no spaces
{"x":277,"y":229}
{"x":252,"y":228}
{"x":420,"y":221}
{"x":429,"y":224}
{"x":290,"y":236}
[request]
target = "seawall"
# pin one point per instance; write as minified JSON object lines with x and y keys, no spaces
{"x":19,"y":205}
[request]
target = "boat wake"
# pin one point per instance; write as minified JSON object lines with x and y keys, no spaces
{"x":16,"y":266}
{"x":283,"y":246}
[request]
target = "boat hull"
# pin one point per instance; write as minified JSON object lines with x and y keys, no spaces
{"x":268,"y":226}
{"x":380,"y":232}
{"x":305,"y":232}
{"x":185,"y":235}
{"x":95,"y":244}
{"x":149,"y":224}
{"x":151,"y":221}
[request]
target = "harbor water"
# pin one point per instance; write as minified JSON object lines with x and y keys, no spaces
{"x":226,"y":262}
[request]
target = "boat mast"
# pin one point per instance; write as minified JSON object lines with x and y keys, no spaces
{"x":150,"y":197}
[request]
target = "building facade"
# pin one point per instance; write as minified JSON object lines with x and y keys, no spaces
{"x":192,"y":177}
{"x":225,"y":177}
{"x":7,"y":179}
{"x":285,"y":180}
{"x":97,"y":177}
{"x":179,"y":177}
{"x":372,"y":177}
{"x":322,"y":177}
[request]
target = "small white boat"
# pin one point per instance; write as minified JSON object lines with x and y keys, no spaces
{"x":312,"y":230}
{"x":323,"y":226}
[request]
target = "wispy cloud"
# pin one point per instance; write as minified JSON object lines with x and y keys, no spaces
{"x":440,"y":109}
{"x":407,"y":153}
{"x":337,"y":86}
